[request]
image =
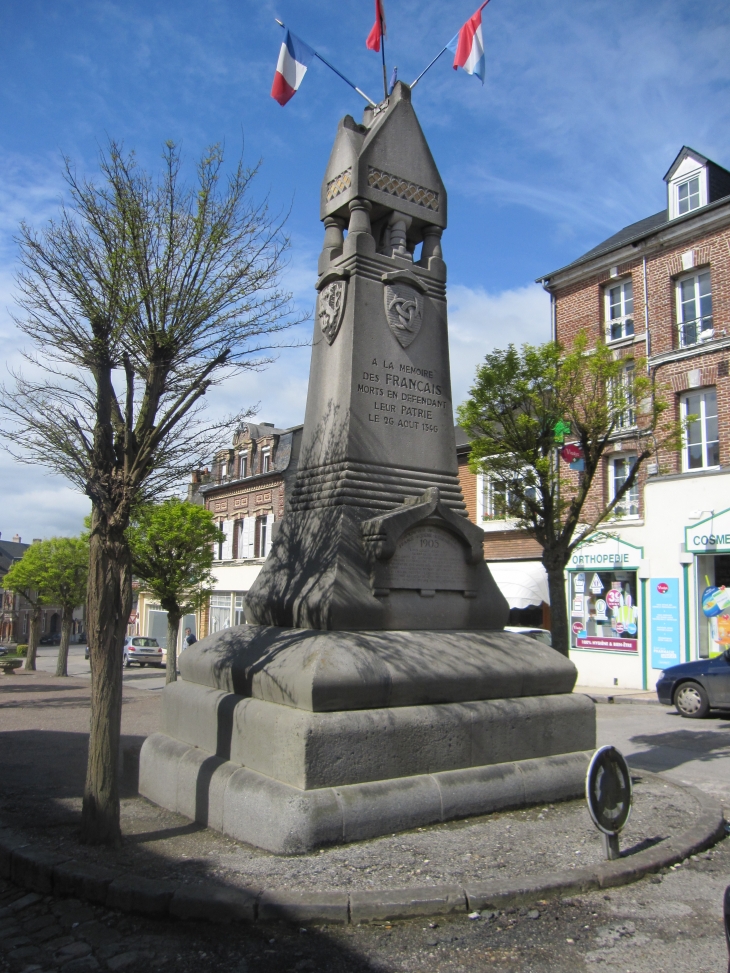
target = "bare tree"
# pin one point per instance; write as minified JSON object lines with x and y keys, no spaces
{"x":141,"y":296}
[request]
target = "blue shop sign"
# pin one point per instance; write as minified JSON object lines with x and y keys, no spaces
{"x":664,"y":622}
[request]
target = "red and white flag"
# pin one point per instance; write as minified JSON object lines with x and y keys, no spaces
{"x":468,"y":46}
{"x":378,"y":31}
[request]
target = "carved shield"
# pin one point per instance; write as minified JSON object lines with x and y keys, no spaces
{"x":331,"y":308}
{"x":404,"y":311}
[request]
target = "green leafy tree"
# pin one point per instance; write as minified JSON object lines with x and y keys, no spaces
{"x":172,"y":553}
{"x":139,"y":298}
{"x":25,"y":578}
{"x":521,"y":407}
{"x":65,"y":583}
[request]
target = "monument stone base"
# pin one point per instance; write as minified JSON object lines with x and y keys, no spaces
{"x":292,"y":739}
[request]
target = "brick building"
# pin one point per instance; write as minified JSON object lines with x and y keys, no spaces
{"x":246,"y":490}
{"x":513,"y":555}
{"x":658,"y":291}
{"x":16,"y":610}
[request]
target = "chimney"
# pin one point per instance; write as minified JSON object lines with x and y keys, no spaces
{"x":16,"y":539}
{"x":37,"y":540}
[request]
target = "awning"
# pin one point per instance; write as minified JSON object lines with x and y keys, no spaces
{"x":523,"y":583}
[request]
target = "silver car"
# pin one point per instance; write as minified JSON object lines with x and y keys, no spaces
{"x":142,"y":650}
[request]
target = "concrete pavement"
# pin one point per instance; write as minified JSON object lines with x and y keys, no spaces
{"x":135,"y":677}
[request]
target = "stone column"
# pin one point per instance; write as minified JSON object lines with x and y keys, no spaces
{"x":334,"y":239}
{"x":399,"y":224}
{"x":359,"y":234}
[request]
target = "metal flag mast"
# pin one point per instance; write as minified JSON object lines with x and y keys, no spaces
{"x":339,"y":73}
{"x":429,"y":65}
{"x":382,"y":48}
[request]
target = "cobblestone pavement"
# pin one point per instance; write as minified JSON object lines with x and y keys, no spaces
{"x":670,"y":922}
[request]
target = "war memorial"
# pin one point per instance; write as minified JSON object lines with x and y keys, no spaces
{"x":373,"y":689}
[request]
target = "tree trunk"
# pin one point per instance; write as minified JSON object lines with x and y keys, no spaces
{"x":34,"y":634}
{"x":66,"y":623}
{"x":173,"y":628}
{"x":109,"y":602}
{"x":554,"y":565}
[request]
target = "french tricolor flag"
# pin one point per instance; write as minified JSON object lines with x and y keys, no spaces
{"x":468,"y":46}
{"x":294,"y":58}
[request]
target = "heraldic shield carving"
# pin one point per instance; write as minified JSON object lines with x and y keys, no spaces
{"x":331,"y":308}
{"x":404,"y":311}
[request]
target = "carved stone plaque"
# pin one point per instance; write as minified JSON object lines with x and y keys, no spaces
{"x":331,"y":308}
{"x":428,"y":558}
{"x":404,"y":311}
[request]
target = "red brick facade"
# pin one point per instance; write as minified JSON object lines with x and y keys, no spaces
{"x":694,"y":246}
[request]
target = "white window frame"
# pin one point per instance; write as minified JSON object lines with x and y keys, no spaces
{"x":705,"y":442}
{"x":693,"y":331}
{"x":628,"y":507}
{"x":486,"y":502}
{"x":265,"y":460}
{"x":242,"y":465}
{"x":683,"y":177}
{"x":221,"y":600}
{"x":627,"y":418}
{"x":626,"y":318}
{"x":694,"y":192}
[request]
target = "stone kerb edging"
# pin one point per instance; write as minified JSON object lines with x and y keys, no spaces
{"x":47,"y":873}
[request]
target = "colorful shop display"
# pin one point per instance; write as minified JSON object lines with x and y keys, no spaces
{"x":604,"y":605}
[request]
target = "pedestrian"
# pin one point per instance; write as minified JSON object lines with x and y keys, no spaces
{"x":189,"y":637}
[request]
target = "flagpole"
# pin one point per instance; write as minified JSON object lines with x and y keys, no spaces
{"x":338,"y":73}
{"x":382,"y":47}
{"x":430,"y":65}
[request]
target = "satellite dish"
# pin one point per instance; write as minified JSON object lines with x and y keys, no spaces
{"x":609,"y":795}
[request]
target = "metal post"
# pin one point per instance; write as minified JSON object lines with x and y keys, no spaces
{"x":610,"y":846}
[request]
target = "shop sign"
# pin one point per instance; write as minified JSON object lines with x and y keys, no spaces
{"x":605,"y":553}
{"x":571,"y":452}
{"x":709,"y":536}
{"x":664,"y":622}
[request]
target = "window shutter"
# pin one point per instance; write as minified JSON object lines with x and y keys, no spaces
{"x":228,"y":542}
{"x":269,"y":527}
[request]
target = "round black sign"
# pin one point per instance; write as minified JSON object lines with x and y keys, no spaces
{"x":608,"y":790}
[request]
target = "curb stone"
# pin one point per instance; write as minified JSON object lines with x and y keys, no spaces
{"x":45,"y":872}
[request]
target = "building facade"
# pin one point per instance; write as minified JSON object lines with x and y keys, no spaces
{"x":16,"y":610}
{"x":513,"y":555}
{"x":246,"y":490}
{"x":658,"y":293}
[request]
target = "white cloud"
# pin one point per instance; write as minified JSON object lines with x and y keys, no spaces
{"x":480,"y":321}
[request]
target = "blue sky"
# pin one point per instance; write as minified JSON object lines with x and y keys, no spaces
{"x":585,"y":105}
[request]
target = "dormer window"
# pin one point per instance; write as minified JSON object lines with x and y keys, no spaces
{"x":688,"y":195}
{"x":694,"y":181}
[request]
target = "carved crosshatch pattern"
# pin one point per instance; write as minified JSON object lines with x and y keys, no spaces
{"x":339,"y":184}
{"x":386,"y":182}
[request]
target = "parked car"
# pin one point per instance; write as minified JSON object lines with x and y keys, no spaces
{"x":53,"y":639}
{"x":538,"y":634}
{"x":142,"y":650}
{"x":697,"y":687}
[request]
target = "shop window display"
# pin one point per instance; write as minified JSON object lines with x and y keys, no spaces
{"x":713,"y":615}
{"x":604,"y":611}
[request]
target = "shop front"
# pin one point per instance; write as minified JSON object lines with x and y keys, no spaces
{"x":709,"y":542}
{"x":607,"y":597}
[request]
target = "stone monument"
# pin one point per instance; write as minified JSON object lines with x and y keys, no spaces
{"x":373,"y":688}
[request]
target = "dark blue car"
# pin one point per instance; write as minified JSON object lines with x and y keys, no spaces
{"x":697,"y":687}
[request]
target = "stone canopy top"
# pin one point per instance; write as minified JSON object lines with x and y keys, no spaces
{"x":369,"y":161}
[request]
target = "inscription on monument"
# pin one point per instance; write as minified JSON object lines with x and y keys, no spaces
{"x":428,"y":558}
{"x":389,"y":379}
